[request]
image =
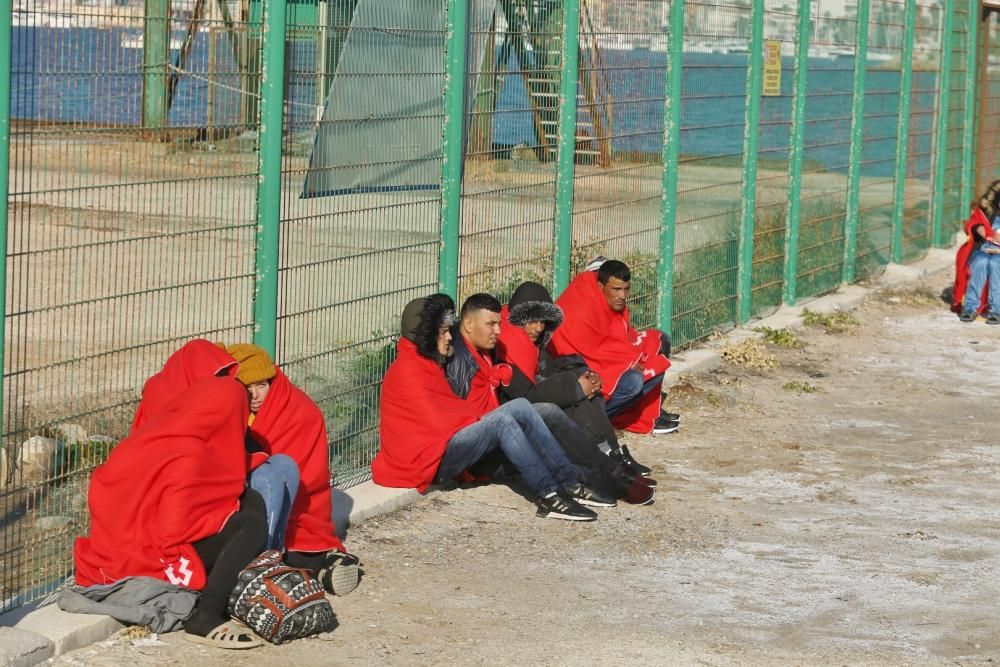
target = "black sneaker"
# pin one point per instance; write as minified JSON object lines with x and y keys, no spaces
{"x":670,"y":416}
{"x":586,"y":495}
{"x":967,"y":316}
{"x":993,"y":318}
{"x":662,"y":425}
{"x":623,"y":455}
{"x":554,"y":506}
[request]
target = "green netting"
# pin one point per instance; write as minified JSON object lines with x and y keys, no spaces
{"x":618,"y":182}
{"x":774,"y":132}
{"x":709,"y":191}
{"x":826,"y":148}
{"x":881,"y":132}
{"x":955,"y":204}
{"x":988,"y":113}
{"x":123,"y":242}
{"x":920,"y":147}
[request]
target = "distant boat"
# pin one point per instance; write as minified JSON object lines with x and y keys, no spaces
{"x":879,"y":56}
{"x":56,"y":20}
{"x":137,"y":41}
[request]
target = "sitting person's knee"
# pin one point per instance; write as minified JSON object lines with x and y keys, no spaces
{"x":630,"y":384}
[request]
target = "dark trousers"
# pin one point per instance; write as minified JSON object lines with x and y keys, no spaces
{"x":599,"y":469}
{"x":224,"y":555}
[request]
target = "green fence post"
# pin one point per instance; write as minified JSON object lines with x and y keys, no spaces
{"x":969,"y":140}
{"x":903,"y":130}
{"x":941,"y":140}
{"x":155,"y":60}
{"x":265,"y":303}
{"x":857,"y":141}
{"x":671,"y":166}
{"x":451,"y":166}
{"x":798,"y":131}
{"x":755,"y":75}
{"x":566,"y":150}
{"x":5,"y":63}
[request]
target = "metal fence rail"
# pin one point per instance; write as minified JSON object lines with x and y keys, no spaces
{"x":293,"y":173}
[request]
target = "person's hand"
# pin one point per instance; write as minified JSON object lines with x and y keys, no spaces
{"x":596,"y":379}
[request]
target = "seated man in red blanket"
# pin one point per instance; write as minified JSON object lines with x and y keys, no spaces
{"x":170,"y":501}
{"x":977,"y":262}
{"x":430,"y":435}
{"x":290,"y":463}
{"x":630,"y":364}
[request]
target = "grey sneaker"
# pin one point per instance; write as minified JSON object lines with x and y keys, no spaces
{"x":967,"y":316}
{"x":554,"y":506}
{"x":993,"y":317}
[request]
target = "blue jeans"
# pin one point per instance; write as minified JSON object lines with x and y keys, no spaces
{"x":277,"y":481}
{"x":982,"y":265}
{"x":521,"y":434}
{"x":629,"y":389}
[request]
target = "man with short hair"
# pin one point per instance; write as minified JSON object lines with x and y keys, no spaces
{"x":631,"y":364}
{"x":430,"y":435}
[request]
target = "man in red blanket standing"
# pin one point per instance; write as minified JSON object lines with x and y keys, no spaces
{"x":289,"y":431}
{"x":630,"y":363}
{"x":429,"y":435}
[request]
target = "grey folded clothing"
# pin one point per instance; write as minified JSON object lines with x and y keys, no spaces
{"x":134,"y":600}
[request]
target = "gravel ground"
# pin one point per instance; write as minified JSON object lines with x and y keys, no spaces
{"x":839,"y":508}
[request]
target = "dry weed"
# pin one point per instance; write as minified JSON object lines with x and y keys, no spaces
{"x":749,"y":353}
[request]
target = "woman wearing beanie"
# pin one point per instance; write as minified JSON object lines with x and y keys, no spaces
{"x":290,"y":462}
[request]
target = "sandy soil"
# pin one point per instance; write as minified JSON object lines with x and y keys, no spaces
{"x":855,"y":524}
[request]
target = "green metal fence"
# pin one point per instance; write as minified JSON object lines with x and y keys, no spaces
{"x":294,"y":173}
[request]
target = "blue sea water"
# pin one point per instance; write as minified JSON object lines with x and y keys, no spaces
{"x":87,"y":76}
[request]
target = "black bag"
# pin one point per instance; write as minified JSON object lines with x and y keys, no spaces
{"x":280,"y":602}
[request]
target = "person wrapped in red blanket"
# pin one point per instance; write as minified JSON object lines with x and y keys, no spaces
{"x":977,"y":262}
{"x":170,"y":501}
{"x":428,"y":434}
{"x":290,"y":467}
{"x":630,"y":364}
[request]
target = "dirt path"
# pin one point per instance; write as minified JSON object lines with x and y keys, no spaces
{"x":858,"y":523}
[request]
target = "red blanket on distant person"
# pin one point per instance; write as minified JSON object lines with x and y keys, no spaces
{"x":962,"y":262}
{"x":610,"y":346}
{"x":174,"y":481}
{"x":290,"y":423}
{"x":516,"y":348}
{"x":195,"y":360}
{"x":419,"y":413}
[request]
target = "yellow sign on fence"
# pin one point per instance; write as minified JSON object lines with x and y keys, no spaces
{"x":772,"y":67}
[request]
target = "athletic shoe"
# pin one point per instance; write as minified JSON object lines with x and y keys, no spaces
{"x":968,"y":316}
{"x":662,"y":425}
{"x":993,"y":318}
{"x":554,"y":506}
{"x":623,"y":455}
{"x":586,"y":495}
{"x":670,"y":416}
{"x":340,"y":572}
{"x":638,"y":493}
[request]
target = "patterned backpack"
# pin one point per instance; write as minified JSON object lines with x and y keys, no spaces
{"x":280,"y":602}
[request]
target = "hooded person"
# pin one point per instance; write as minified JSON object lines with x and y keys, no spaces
{"x":977,"y":262}
{"x":527,"y":324}
{"x":630,"y":363}
{"x":429,"y":435}
{"x":289,"y":458}
{"x":170,"y":501}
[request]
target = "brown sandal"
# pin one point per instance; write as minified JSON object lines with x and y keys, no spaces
{"x":228,"y":635}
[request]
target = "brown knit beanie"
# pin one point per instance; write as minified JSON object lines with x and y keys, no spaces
{"x":255,"y":363}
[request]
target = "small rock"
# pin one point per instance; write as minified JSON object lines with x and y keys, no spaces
{"x":894,"y":299}
{"x":70,"y":433}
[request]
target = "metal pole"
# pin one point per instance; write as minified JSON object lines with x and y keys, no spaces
{"x":984,"y":83}
{"x":857,"y":141}
{"x":798,"y":131}
{"x":755,"y":74}
{"x":272,"y":87}
{"x":155,"y":59}
{"x":941,"y":141}
{"x":903,"y":130}
{"x":6,"y":12}
{"x":566,"y":149}
{"x":969,"y":140}
{"x":451,"y":167}
{"x":671,"y":159}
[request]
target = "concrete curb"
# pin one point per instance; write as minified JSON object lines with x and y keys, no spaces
{"x":48,"y":631}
